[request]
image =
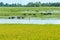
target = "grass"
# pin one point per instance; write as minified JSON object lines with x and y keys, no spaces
{"x":29,"y":32}
{"x":16,"y":11}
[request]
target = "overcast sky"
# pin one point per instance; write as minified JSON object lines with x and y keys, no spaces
{"x":26,"y":1}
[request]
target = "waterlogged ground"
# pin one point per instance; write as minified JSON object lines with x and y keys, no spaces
{"x":29,"y":32}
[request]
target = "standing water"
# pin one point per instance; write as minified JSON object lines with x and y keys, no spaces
{"x":26,"y":21}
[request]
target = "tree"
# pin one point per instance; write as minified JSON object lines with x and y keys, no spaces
{"x":19,"y":5}
{"x":6,"y":4}
{"x":30,"y":4}
{"x":1,"y":4}
{"x":37,"y":4}
{"x":13,"y":5}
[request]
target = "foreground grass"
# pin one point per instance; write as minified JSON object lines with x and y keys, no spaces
{"x":29,"y":32}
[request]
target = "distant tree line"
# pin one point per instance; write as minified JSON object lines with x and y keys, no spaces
{"x":30,"y":4}
{"x":9,"y":5}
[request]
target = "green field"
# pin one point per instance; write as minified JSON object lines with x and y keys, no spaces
{"x":29,"y":32}
{"x":5,"y":12}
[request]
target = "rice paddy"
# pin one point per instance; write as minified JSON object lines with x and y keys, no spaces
{"x":29,"y":32}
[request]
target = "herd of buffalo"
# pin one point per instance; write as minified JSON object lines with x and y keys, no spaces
{"x":20,"y":17}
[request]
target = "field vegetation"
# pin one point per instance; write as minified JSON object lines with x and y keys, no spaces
{"x":29,"y":32}
{"x":20,"y":11}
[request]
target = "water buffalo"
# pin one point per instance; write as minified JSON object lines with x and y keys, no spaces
{"x":46,"y":13}
{"x":11,"y":17}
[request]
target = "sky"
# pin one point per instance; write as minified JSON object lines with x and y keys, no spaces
{"x":26,"y":1}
